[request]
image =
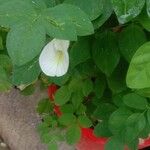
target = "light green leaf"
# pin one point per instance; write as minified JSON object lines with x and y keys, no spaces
{"x":84,"y":121}
{"x":62,"y":95}
{"x":81,"y":47}
{"x":73,"y":134}
{"x":139,"y":69}
{"x":27,"y":73}
{"x":67,"y":119}
{"x":87,"y":87}
{"x":126,"y":10}
{"x":93,"y":8}
{"x":131,"y":38}
{"x":106,"y":48}
{"x":135,"y":101}
{"x":24,"y":42}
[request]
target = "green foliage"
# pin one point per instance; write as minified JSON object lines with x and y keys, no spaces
{"x":138,"y":73}
{"x":135,"y":101}
{"x":73,"y":134}
{"x":62,"y":95}
{"x":106,"y":48}
{"x":126,"y":10}
{"x":107,"y":85}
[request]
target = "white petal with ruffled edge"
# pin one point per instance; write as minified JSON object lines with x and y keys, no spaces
{"x":54,"y":59}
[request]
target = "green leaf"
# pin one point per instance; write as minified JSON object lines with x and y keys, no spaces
{"x":104,"y":110}
{"x":27,"y":73}
{"x":118,"y":119}
{"x":67,"y":108}
{"x":62,"y":21}
{"x":116,"y":82}
{"x":29,"y":90}
{"x":114,"y":144}
{"x":62,"y":95}
{"x":87,"y":87}
{"x":102,"y":130}
{"x":5,"y":84}
{"x":134,"y":125}
{"x":126,"y":10}
{"x":15,"y":11}
{"x":52,"y":146}
{"x":81,"y":47}
{"x":24,"y":42}
{"x":106,"y":48}
{"x":106,"y":13}
{"x":135,"y":101}
{"x":1,"y":43}
{"x":138,"y":72}
{"x":84,"y":121}
{"x":93,"y":9}
{"x":44,"y":106}
{"x":5,"y":62}
{"x":143,"y":18}
{"x":148,"y":7}
{"x":73,"y":134}
{"x":131,"y":38}
{"x":148,"y":116}
{"x":77,"y":99}
{"x":67,"y":119}
{"x":99,"y":87}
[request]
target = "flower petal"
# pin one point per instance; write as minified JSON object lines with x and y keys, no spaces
{"x":48,"y":61}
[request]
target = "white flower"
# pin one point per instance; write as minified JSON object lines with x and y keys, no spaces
{"x":54,"y":59}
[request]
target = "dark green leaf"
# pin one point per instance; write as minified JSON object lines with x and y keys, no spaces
{"x":114,"y":144}
{"x":87,"y":87}
{"x":106,"y":48}
{"x":131,"y":38}
{"x":134,"y":125}
{"x":118,"y":119}
{"x":102,"y":130}
{"x":99,"y":87}
{"x":81,"y":47}
{"x":135,"y":101}
{"x":126,"y":10}
{"x":104,"y":110}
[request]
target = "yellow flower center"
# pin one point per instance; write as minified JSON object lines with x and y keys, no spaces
{"x":59,"y":56}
